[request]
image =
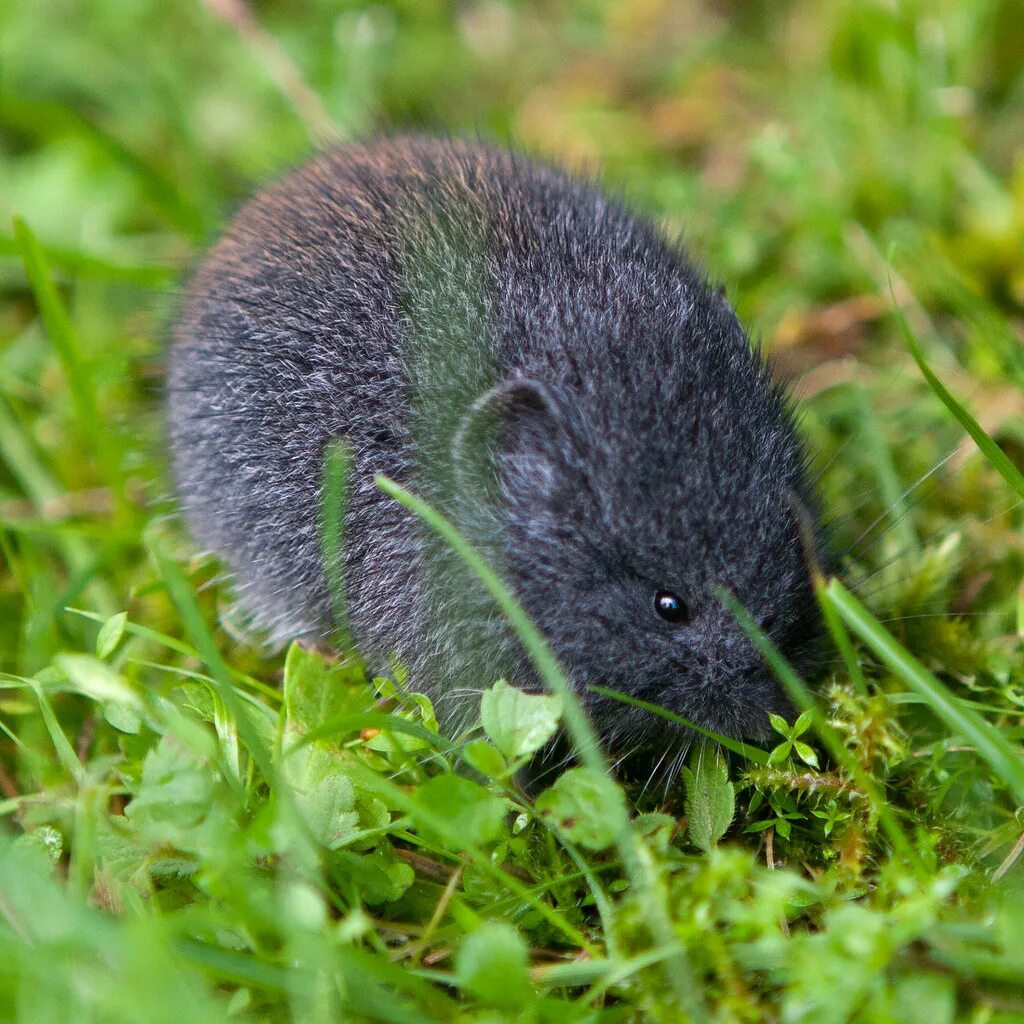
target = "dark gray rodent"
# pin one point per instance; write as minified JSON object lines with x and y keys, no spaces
{"x":543,"y":365}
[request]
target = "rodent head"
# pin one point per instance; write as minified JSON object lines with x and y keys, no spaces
{"x":625,"y":512}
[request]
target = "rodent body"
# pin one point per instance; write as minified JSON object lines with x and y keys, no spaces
{"x":543,"y":366}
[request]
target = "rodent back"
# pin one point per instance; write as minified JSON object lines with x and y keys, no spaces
{"x":357,"y":298}
{"x":347,"y":300}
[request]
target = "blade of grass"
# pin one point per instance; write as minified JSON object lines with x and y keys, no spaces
{"x":617,"y":973}
{"x":201,"y":677}
{"x":601,"y":973}
{"x":840,"y":636}
{"x":83,"y":852}
{"x":39,"y":117}
{"x":635,"y":856}
{"x":72,"y":261}
{"x":15,"y":739}
{"x":40,"y":487}
{"x":195,"y":628}
{"x":894,"y":495}
{"x":367,"y":720}
{"x":995,"y":455}
{"x":1006,"y":760}
{"x":751,"y":753}
{"x":65,"y":752}
{"x":173,"y":644}
{"x":605,"y":910}
{"x":808,"y":541}
{"x":23,"y":462}
{"x":579,"y":728}
{"x":80,"y":380}
{"x":234,"y":967}
{"x":397,"y":977}
{"x":332,"y":537}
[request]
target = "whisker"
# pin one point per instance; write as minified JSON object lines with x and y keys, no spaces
{"x":854,"y":504}
{"x":629,"y":753}
{"x":654,"y":771}
{"x":989,"y":613}
{"x":917,"y":483}
{"x":903,"y":552}
{"x":819,"y":475}
{"x":1017,"y":503}
{"x":1002,"y":512}
{"x":675,"y":767}
{"x":933,"y":538}
{"x":557,"y":766}
{"x":919,"y":499}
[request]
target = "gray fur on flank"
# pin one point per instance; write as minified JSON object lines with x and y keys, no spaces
{"x":542,"y":365}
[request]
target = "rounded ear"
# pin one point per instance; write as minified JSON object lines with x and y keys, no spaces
{"x":517,"y":420}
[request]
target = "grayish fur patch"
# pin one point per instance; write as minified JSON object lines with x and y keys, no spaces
{"x":630,"y":440}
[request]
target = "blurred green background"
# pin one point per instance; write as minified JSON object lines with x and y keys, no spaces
{"x":825,"y":160}
{"x":764,"y":131}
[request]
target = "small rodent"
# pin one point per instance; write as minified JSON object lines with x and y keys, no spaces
{"x":541,"y":364}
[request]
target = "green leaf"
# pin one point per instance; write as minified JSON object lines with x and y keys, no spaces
{"x":519,"y":723}
{"x":175,"y":793}
{"x":328,"y":809}
{"x":378,"y":877}
{"x":485,"y":758}
{"x":123,"y":717}
{"x":28,"y":859}
{"x":806,"y":754}
{"x":468,"y":814}
{"x":316,"y":692}
{"x":589,"y":808}
{"x":710,"y":797}
{"x":45,"y":838}
{"x":492,"y":965}
{"x":324,"y":794}
{"x":96,"y":679}
{"x":801,"y":725}
{"x":930,"y":997}
{"x":110,"y":634}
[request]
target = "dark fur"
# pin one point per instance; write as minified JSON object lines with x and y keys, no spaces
{"x":540,"y":363}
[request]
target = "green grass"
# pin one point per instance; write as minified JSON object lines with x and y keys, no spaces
{"x":199,"y":829}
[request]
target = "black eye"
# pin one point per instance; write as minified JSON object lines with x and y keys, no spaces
{"x":670,"y":607}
